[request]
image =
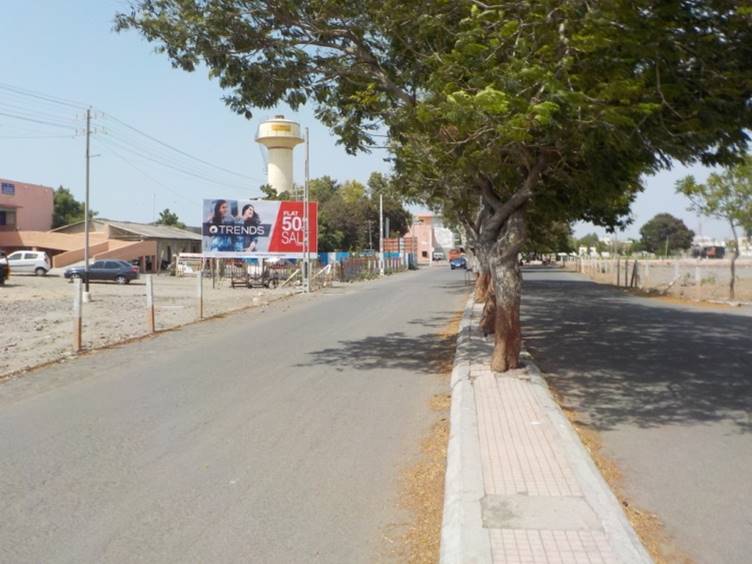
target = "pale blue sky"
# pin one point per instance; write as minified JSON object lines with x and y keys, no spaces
{"x":69,"y":51}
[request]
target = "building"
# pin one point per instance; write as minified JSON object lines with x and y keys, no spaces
{"x":431,"y":236}
{"x":25,"y":207}
{"x":161,"y":241}
{"x":152,"y":246}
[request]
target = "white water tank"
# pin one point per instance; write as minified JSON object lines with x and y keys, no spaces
{"x":279,"y":136}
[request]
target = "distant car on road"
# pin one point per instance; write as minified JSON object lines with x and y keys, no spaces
{"x":29,"y":262}
{"x":4,"y":268}
{"x":438,"y":255}
{"x":459,"y":262}
{"x":120,"y":271}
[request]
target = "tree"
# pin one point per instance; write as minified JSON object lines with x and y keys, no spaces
{"x":550,"y":109}
{"x":270,"y":193}
{"x":549,"y":238}
{"x":166,"y":217}
{"x":726,"y":196}
{"x":66,"y":209}
{"x":591,"y":240}
{"x":664,"y":234}
{"x":568,"y":104}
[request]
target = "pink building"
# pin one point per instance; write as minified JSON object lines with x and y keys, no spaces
{"x":25,"y":207}
{"x":422,"y":231}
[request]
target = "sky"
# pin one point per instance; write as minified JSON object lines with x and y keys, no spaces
{"x":69,"y":51}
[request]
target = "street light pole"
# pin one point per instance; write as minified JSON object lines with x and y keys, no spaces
{"x":87,"y":296}
{"x":306,"y":230}
{"x":381,"y":235}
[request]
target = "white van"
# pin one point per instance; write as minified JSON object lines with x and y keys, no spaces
{"x":29,"y":262}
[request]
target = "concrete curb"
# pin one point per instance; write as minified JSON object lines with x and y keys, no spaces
{"x":463,"y":537}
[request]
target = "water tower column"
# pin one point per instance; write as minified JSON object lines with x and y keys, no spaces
{"x":279,"y":169}
{"x":279,"y":136}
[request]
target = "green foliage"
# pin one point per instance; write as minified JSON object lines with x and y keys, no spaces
{"x":66,"y":209}
{"x":726,"y":196}
{"x":166,"y":217}
{"x":665,"y":232}
{"x":549,"y":238}
{"x":591,"y":240}
{"x":271,"y":194}
{"x":349,"y":210}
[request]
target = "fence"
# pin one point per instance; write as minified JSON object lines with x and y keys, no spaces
{"x":364,"y":268}
{"x":696,"y":279}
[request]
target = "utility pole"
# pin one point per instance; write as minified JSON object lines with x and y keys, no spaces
{"x":306,"y":230}
{"x":86,"y":295}
{"x":381,"y":234}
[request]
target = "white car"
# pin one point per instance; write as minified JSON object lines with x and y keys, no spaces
{"x":29,"y":262}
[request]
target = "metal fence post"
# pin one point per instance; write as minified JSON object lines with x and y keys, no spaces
{"x":77,"y":325}
{"x":698,"y":282}
{"x":201,"y":295}
{"x":150,"y":322}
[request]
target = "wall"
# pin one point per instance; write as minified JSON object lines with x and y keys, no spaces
{"x":33,"y":205}
{"x":422,"y":230}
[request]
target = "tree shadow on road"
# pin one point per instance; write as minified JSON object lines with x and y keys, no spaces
{"x":622,"y":361}
{"x":426,"y":354}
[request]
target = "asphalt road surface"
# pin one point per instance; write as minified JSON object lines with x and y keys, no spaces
{"x":669,"y":388}
{"x":274,"y":436}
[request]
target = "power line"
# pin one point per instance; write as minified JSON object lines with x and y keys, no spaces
{"x":41,"y":96}
{"x":143,"y":155}
{"x":241,"y":175}
{"x":168,"y":188}
{"x":162,"y":156}
{"x":32,"y":120}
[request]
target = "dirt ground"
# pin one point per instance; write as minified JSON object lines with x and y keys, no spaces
{"x":422,"y":484}
{"x":661,"y":280}
{"x":37,"y":322}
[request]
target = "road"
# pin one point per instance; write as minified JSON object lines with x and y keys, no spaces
{"x":669,"y":388}
{"x":265,"y":436}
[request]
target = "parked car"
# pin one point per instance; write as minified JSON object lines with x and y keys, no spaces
{"x":4,"y":268}
{"x":438,"y":255}
{"x":459,"y":262}
{"x":120,"y":271}
{"x":29,"y":262}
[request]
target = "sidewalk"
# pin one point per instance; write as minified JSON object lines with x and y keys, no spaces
{"x":520,"y":487}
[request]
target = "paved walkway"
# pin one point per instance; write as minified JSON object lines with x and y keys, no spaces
{"x":538,"y":497}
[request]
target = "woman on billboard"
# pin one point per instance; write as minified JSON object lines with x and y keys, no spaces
{"x":251,"y":220}
{"x":221,"y":241}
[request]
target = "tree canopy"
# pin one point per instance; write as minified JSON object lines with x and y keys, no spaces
{"x":664,"y":234}
{"x":167,"y":217}
{"x":503,"y":114}
{"x":66,"y":209}
{"x":726,"y":196}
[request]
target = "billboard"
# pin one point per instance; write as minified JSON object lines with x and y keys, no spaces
{"x":256,"y":228}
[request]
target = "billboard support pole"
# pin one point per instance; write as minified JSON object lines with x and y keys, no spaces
{"x":306,"y":229}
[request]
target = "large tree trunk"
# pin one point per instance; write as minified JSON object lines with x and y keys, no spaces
{"x":483,"y":280}
{"x":508,"y":292}
{"x":508,"y":331}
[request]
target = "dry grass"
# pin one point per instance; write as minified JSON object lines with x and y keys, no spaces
{"x":422,"y":484}
{"x":647,"y":525}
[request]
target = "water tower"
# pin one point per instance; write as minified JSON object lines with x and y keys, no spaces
{"x":279,"y":136}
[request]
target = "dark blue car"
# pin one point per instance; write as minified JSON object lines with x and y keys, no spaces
{"x":459,"y":262}
{"x":119,"y":271}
